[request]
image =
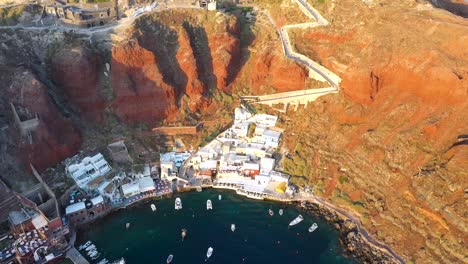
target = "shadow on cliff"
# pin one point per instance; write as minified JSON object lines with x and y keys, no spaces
{"x":202,"y":53}
{"x":244,"y":30}
{"x":164,"y":44}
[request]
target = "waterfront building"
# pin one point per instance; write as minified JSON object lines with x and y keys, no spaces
{"x":266,"y":165}
{"x":251,"y":169}
{"x":85,"y":170}
{"x":86,"y":211}
{"x":139,"y":186}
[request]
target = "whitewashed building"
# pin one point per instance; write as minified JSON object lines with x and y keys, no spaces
{"x":88,"y":169}
{"x":141,"y":185}
{"x":271,"y":138}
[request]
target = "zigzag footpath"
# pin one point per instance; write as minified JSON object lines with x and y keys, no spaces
{"x":334,"y":80}
{"x":310,"y":12}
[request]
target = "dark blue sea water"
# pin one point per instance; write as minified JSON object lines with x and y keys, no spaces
{"x":259,"y":237}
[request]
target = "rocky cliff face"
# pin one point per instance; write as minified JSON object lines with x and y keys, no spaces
{"x":170,"y":60}
{"x":392,"y":147}
{"x":55,"y":137}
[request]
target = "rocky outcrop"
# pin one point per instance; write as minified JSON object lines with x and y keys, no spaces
{"x":77,"y":72}
{"x":54,"y":139}
{"x":141,"y":94}
{"x":351,"y":239}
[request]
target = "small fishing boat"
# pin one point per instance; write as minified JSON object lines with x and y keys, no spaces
{"x":313,"y":227}
{"x":178,"y":203}
{"x":280,"y":212}
{"x":209,"y":252}
{"x":296,"y":220}
{"x":233,"y":227}
{"x":184,"y":233}
{"x":85,"y":245}
{"x":90,"y":247}
{"x":169,"y":258}
{"x":219,"y":197}
{"x":127,"y":225}
{"x":103,"y":261}
{"x":270,"y":212}
{"x":209,"y":205}
{"x":153,"y":207}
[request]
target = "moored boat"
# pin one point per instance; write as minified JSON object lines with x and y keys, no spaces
{"x":178,"y":203}
{"x":270,"y":212}
{"x":169,"y":258}
{"x":103,"y":261}
{"x":233,"y":227}
{"x":280,"y":212}
{"x":209,"y":252}
{"x":219,"y":197}
{"x":85,"y":245}
{"x":153,"y":207}
{"x":90,"y":247}
{"x":296,"y":220}
{"x":313,"y":227}
{"x":209,"y":205}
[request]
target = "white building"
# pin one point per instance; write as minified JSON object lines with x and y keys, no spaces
{"x":264,"y":120}
{"x":140,"y":185}
{"x":241,"y":115}
{"x":266,"y":165}
{"x":262,"y":180}
{"x":209,"y":165}
{"x":88,"y":169}
{"x":271,"y":138}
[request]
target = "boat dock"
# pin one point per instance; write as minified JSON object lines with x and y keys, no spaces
{"x":75,"y":256}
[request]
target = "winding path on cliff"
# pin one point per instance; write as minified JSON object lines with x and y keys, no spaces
{"x":334,"y":80}
{"x":321,"y":73}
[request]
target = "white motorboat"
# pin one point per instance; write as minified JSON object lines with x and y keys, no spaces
{"x":178,"y":203}
{"x":209,"y":205}
{"x":313,"y":227}
{"x":219,"y":197}
{"x":270,"y":212}
{"x":153,"y":207}
{"x":296,"y":220}
{"x":90,"y":247}
{"x":85,"y":245}
{"x":103,"y":261}
{"x":93,"y":253}
{"x":209,"y":252}
{"x":127,"y":225}
{"x":233,"y":227}
{"x":169,"y":258}
{"x":280,"y":212}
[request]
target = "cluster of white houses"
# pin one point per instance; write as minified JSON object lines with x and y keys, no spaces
{"x":242,"y":158}
{"x":93,"y":175}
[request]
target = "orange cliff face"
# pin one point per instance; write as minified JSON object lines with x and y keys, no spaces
{"x":55,"y":138}
{"x":167,"y":63}
{"x":77,"y":72}
{"x":398,"y":126}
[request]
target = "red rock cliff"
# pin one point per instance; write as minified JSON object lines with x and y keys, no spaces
{"x":55,"y":139}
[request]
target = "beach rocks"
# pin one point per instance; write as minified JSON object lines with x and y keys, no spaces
{"x":354,"y":244}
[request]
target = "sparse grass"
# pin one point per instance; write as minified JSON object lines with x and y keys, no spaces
{"x":10,"y":15}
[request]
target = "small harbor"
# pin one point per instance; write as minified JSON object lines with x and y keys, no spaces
{"x":237,"y":229}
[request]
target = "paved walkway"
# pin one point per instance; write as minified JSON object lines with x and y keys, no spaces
{"x":76,"y":257}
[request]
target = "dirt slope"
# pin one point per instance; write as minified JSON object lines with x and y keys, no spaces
{"x":392,"y":146}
